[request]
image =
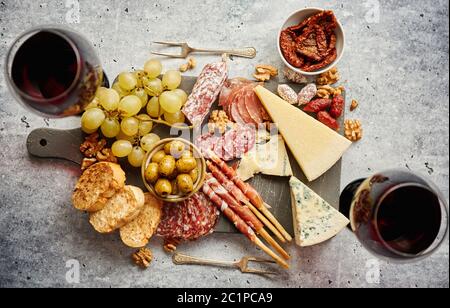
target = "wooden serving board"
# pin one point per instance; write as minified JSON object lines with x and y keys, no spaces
{"x":64,"y":144}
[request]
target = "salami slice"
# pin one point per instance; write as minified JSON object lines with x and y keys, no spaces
{"x":206,"y":143}
{"x":245,"y":140}
{"x":188,"y":220}
{"x":228,"y":144}
{"x":219,"y":150}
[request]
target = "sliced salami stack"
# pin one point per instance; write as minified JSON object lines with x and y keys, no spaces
{"x":188,"y":220}
{"x":231,"y":145}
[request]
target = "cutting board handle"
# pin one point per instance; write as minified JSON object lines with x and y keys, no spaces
{"x":55,"y":143}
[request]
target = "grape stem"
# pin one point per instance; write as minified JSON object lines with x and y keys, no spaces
{"x":161,"y":121}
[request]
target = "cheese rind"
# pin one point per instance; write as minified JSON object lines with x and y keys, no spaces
{"x":315,"y":146}
{"x":315,"y":221}
{"x":270,"y":158}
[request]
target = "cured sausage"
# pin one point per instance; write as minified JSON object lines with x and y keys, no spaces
{"x":206,"y":90}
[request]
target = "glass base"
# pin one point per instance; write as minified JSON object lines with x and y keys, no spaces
{"x":345,"y":200}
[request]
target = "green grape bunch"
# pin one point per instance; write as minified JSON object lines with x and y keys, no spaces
{"x":127,"y":111}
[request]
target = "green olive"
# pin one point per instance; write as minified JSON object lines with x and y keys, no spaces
{"x":151,"y":173}
{"x":174,"y":148}
{"x":186,"y":153}
{"x":185,"y":184}
{"x":194,"y":175}
{"x":163,"y":188}
{"x":167,"y":166}
{"x":186,"y":164}
{"x":158,"y":156}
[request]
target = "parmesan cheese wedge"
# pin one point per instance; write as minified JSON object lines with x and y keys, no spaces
{"x":315,"y":146}
{"x":315,"y":221}
{"x":270,"y":158}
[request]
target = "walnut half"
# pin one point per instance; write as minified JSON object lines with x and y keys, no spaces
{"x":91,"y":146}
{"x":264,"y":72}
{"x":353,"y":130}
{"x":330,"y":77}
{"x":143,"y":257}
{"x":220,"y":121}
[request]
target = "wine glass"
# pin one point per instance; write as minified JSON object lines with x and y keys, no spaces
{"x":396,"y":214}
{"x":53,"y":70}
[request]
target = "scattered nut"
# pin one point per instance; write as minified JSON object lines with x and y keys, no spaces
{"x":143,"y":257}
{"x":327,"y":91}
{"x":170,"y":248}
{"x":264,"y":72}
{"x":184,"y":67}
{"x":322,"y":93}
{"x":91,"y":146}
{"x":265,"y":68}
{"x":219,"y":121}
{"x":87,"y":162}
{"x":330,"y":77}
{"x":294,"y":76}
{"x":339,"y":90}
{"x":353,"y":130}
{"x":262,"y":77}
{"x":191,"y":64}
{"x":354,"y":105}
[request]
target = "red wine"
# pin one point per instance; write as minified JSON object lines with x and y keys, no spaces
{"x":45,"y":66}
{"x":408,"y":218}
{"x":396,"y":214}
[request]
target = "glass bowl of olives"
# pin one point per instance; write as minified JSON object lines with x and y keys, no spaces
{"x":173,"y":170}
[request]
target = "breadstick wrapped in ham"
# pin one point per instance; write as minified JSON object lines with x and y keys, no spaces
{"x":237,"y":193}
{"x":240,"y":224}
{"x":205,"y":92}
{"x":249,"y":191}
{"x":229,"y":213}
{"x":243,"y":211}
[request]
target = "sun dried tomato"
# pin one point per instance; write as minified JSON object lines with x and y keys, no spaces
{"x":311,"y":45}
{"x":287,"y":45}
{"x":327,"y":61}
{"x":317,"y":105}
{"x":337,"y":106}
{"x":325,"y":118}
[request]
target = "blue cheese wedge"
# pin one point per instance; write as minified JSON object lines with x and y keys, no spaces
{"x":315,"y":221}
{"x":270,"y":158}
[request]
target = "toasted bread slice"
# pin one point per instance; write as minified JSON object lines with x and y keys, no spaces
{"x":119,"y":210}
{"x":138,"y":232}
{"x":96,"y":185}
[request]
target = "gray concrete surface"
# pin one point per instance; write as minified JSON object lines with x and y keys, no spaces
{"x":396,"y":65}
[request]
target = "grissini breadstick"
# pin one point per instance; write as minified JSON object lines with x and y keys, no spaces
{"x":245,"y":213}
{"x":231,"y":187}
{"x":240,"y":224}
{"x":249,"y":191}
